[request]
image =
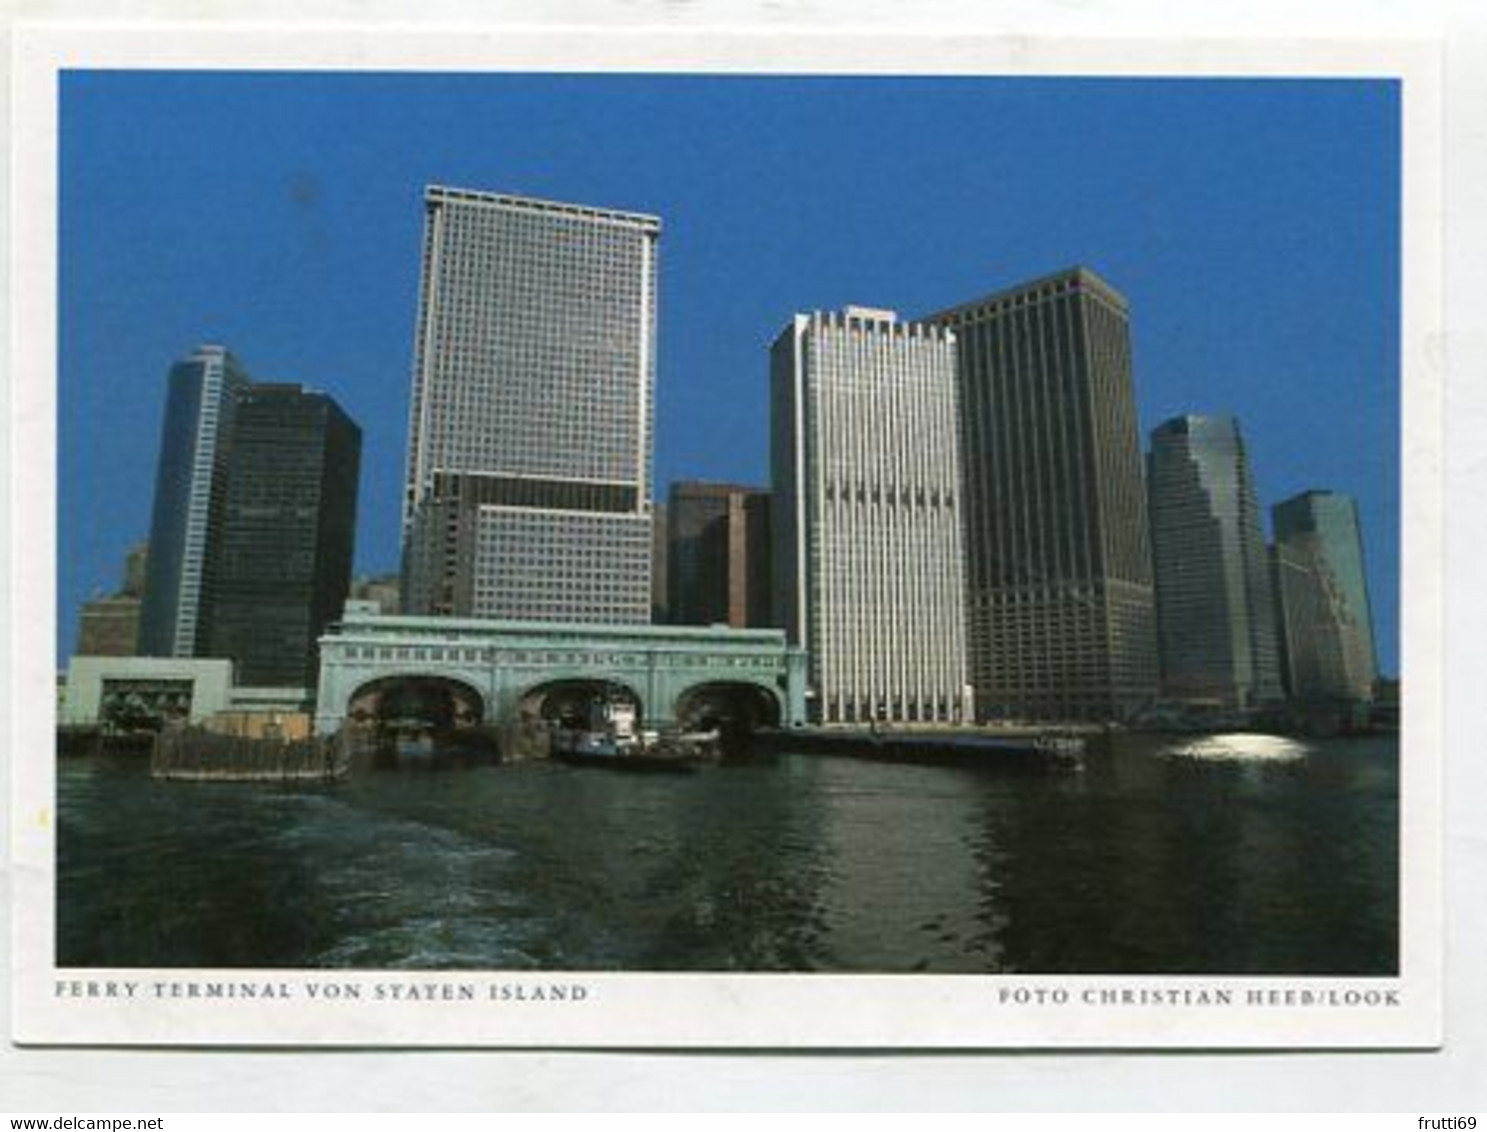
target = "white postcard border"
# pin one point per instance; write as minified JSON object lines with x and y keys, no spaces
{"x":630,"y":1010}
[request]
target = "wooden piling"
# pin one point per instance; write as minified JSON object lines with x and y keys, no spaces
{"x":193,"y":754}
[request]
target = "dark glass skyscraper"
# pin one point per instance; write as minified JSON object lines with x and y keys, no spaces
{"x":288,"y":533}
{"x":190,"y":487}
{"x":718,"y":558}
{"x":1326,"y":615}
{"x":1215,"y":614}
{"x":1059,"y":587}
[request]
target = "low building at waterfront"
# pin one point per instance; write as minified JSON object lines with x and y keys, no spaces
{"x":131,"y":692}
{"x":146,"y":693}
{"x":462,"y":670}
{"x":265,"y":713}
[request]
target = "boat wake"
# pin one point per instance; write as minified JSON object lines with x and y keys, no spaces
{"x":1240,"y":747}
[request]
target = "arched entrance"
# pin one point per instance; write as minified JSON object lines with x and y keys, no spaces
{"x":412,"y":718}
{"x":733,"y":708}
{"x":430,"y":701}
{"x":566,"y":702}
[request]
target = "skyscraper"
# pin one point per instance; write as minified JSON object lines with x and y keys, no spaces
{"x":190,"y":486}
{"x":528,"y":491}
{"x":1308,"y":629}
{"x":1215,"y":614}
{"x":287,"y":533}
{"x":1059,"y":587}
{"x":866,"y":507}
{"x":1326,"y":616}
{"x":718,"y":560}
{"x":660,"y":566}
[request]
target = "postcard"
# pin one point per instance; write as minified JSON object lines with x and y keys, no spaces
{"x":725,"y":541}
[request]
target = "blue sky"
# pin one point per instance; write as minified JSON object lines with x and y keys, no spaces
{"x":1253,"y":225}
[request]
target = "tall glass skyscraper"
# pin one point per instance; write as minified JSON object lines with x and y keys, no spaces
{"x":1059,"y":587}
{"x":528,"y":487}
{"x":866,"y":514}
{"x":288,"y":533}
{"x":1215,"y":614}
{"x":1326,"y":615}
{"x":190,"y":487}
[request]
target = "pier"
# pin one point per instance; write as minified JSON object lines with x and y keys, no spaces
{"x":190,"y":754}
{"x":1038,"y":751}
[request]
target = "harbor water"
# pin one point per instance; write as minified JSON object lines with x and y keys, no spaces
{"x":1162,"y":855}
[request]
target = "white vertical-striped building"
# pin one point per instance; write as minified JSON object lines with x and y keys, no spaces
{"x":867,"y":517}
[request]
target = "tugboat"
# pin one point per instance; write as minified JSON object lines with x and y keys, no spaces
{"x":611,"y":738}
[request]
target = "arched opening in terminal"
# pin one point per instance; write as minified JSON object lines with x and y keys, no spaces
{"x":735,"y":710}
{"x":569,"y":703}
{"x":411,"y":716}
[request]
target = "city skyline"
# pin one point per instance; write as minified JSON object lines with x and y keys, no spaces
{"x":712,"y":350}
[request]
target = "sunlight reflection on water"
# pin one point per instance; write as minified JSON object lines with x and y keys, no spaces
{"x":1240,"y":746}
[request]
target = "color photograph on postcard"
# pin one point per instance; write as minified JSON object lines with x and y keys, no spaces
{"x":521,"y":527}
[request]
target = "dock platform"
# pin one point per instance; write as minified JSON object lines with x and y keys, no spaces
{"x":1032,"y":752}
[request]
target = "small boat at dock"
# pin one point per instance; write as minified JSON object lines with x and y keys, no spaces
{"x":642,"y":761}
{"x":611,"y":738}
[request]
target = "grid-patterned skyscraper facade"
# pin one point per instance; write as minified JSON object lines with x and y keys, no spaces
{"x":190,"y":487}
{"x":288,"y":533}
{"x":866,"y":514}
{"x":1318,"y":533}
{"x":1059,"y":588}
{"x":528,"y":487}
{"x":1215,"y":614}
